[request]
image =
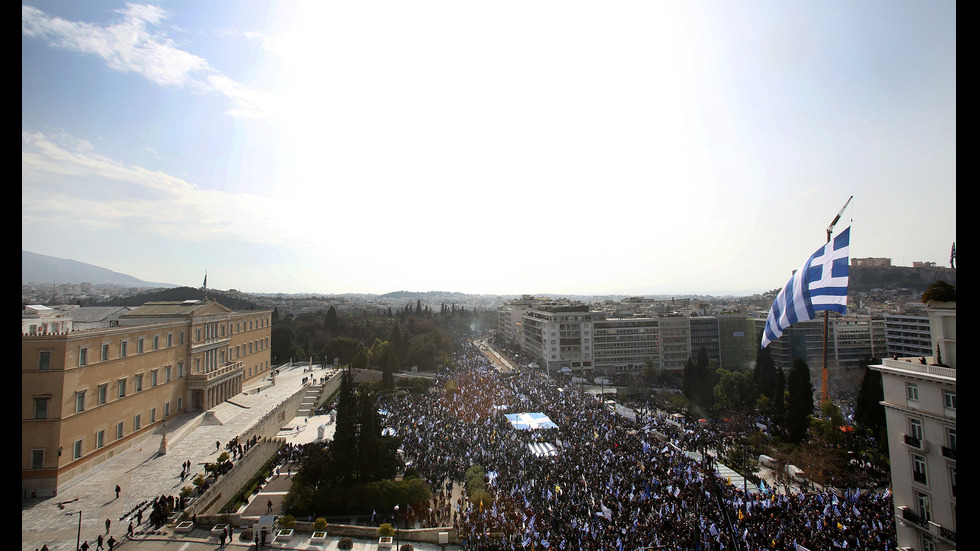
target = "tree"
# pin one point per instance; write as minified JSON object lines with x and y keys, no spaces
{"x":765,"y":372}
{"x":800,"y":407}
{"x":940,"y":291}
{"x":330,"y":321}
{"x":779,"y":402}
{"x":868,"y":412}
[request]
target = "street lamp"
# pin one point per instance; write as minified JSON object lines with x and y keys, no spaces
{"x":397,"y":543}
{"x":78,"y":539}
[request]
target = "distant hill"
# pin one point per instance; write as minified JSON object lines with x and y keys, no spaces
{"x":867,"y":278}
{"x":43,"y":269}
{"x":232,"y":299}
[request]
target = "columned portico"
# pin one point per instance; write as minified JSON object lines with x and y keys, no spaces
{"x":214,"y":387}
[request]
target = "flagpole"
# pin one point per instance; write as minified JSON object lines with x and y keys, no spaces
{"x":826,"y":313}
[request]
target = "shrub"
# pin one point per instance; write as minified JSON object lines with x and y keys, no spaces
{"x":287,"y":521}
{"x":385,"y":530}
{"x":186,"y":491}
{"x":320,"y":524}
{"x":406,"y":547}
{"x":247,"y":534}
{"x":345,"y":543}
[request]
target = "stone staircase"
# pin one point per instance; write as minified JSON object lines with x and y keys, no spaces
{"x":308,"y":404}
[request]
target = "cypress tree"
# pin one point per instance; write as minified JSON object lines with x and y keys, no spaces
{"x":800,"y":406}
{"x":765,"y":373}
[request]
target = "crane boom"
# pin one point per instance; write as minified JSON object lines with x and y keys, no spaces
{"x":830,"y":228}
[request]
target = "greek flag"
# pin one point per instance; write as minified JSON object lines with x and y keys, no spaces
{"x":819,"y":284}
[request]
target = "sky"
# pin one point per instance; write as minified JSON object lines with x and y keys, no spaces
{"x":579,"y":148}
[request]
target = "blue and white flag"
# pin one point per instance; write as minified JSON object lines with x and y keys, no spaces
{"x":819,"y":284}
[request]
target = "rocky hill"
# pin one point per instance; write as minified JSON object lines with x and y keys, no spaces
{"x":868,"y":278}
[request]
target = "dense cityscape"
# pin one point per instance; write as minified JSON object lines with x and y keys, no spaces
{"x":673,"y":386}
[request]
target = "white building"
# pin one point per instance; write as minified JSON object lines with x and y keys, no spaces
{"x":920,"y":410}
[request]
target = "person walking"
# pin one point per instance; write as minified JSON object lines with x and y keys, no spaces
{"x":117,"y":491}
{"x":268,"y":509}
{"x":107,"y":523}
{"x":111,"y":542}
{"x":98,"y":543}
{"x":222,"y":538}
{"x":129,"y":531}
{"x":84,"y":546}
{"x":217,"y":445}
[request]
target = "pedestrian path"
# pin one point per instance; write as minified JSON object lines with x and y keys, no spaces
{"x":143,"y":473}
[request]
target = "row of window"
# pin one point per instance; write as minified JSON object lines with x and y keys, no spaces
{"x":78,"y":449}
{"x":912,"y":393}
{"x":102,"y":391}
{"x":216,"y":329}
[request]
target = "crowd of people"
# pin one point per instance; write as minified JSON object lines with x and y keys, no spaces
{"x":613,"y":484}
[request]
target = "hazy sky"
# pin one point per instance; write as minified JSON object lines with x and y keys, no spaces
{"x":486,"y":147}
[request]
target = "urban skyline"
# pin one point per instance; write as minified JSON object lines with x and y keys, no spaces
{"x":637,"y":149}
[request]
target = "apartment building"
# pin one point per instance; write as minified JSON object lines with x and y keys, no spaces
{"x":908,"y":335}
{"x":559,"y":334}
{"x":920,"y":411}
{"x":90,"y":394}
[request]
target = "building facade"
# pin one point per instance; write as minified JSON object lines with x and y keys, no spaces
{"x":90,"y":394}
{"x":907,"y":335}
{"x":920,"y":411}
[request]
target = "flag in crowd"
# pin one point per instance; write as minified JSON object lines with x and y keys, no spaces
{"x":819,"y":284}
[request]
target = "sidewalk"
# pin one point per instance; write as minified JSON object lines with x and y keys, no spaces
{"x":143,"y":474}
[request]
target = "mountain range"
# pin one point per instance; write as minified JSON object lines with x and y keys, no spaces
{"x":42,"y":269}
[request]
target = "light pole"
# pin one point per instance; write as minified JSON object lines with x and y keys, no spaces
{"x":397,"y":543}
{"x":78,"y":539}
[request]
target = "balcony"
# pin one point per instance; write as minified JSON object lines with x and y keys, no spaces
{"x":927,"y":525}
{"x":948,"y":453}
{"x":203,"y":381}
{"x":915,"y":443}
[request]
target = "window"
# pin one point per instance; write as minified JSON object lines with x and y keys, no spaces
{"x":166,"y":374}
{"x":37,"y":459}
{"x":121,"y":388}
{"x":44,"y":360}
{"x":180,"y":369}
{"x":912,"y":391}
{"x":166,"y":409}
{"x":103,"y":391}
{"x":170,"y":340}
{"x":915,"y":428}
{"x":82,"y":356}
{"x":156,"y":342}
{"x":41,"y":408}
{"x":181,"y":337}
{"x":99,"y":439}
{"x":119,"y":430}
{"x":139,"y":345}
{"x":105,"y":352}
{"x":922,"y":502}
{"x":180,"y":403}
{"x":76,"y":449}
{"x":80,"y":401}
{"x":136,"y":423}
{"x":153,"y":378}
{"x":138,"y":382}
{"x":919,"y":469}
{"x":153,"y":415}
{"x":949,"y":399}
{"x":123,"y":346}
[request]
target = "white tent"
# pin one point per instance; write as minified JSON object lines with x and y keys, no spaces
{"x":542,"y":449}
{"x":530,"y":421}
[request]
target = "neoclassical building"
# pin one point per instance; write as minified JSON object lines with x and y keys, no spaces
{"x":90,"y":394}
